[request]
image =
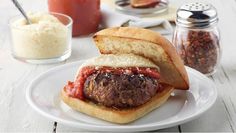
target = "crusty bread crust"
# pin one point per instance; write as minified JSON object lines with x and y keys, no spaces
{"x":147,"y":43}
{"x":117,"y":116}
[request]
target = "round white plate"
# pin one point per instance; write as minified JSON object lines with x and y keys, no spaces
{"x":43,"y":95}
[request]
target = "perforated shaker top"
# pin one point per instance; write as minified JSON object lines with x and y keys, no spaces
{"x":196,"y":15}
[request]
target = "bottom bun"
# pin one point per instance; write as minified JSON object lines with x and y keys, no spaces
{"x":117,"y":116}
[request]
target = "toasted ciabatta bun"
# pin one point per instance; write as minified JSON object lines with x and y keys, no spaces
{"x":146,"y":43}
{"x":113,"y":115}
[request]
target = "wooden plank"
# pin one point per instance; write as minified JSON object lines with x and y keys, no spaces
{"x":15,"y":113}
{"x":221,"y":118}
{"x":229,"y":92}
{"x":215,"y":119}
{"x":63,"y":128}
{"x":228,"y":61}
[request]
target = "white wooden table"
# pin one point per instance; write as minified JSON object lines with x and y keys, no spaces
{"x":17,"y":116}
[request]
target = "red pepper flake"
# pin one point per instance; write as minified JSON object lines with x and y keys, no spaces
{"x":198,"y":49}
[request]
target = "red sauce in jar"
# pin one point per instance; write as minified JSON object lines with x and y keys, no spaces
{"x":86,"y":14}
{"x":75,"y":89}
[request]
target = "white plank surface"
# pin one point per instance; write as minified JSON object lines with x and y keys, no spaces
{"x":222,"y":117}
{"x":16,"y":115}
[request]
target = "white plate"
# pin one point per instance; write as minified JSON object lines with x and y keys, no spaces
{"x":43,"y":95}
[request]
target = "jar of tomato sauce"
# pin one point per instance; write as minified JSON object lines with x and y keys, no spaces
{"x":86,"y":14}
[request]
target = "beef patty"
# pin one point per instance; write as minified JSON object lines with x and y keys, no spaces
{"x":120,"y":91}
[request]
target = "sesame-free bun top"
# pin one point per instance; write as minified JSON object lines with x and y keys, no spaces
{"x":146,"y":43}
{"x":119,"y":60}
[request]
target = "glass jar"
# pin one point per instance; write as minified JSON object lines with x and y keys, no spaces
{"x":86,"y":14}
{"x":197,"y":38}
{"x":46,"y":40}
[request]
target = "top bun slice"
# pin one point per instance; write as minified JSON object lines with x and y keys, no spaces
{"x":149,"y":44}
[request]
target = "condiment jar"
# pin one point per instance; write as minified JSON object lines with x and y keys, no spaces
{"x":86,"y":14}
{"x":197,"y":38}
{"x":46,"y":40}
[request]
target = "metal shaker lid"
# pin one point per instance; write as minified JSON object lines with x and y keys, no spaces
{"x":196,"y":15}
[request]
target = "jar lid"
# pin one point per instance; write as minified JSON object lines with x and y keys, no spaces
{"x":196,"y":15}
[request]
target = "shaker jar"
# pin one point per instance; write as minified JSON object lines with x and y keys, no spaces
{"x":197,"y":38}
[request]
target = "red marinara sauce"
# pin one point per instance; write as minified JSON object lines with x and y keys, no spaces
{"x":75,"y":89}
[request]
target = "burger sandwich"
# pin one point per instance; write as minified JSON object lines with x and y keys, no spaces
{"x":136,"y":72}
